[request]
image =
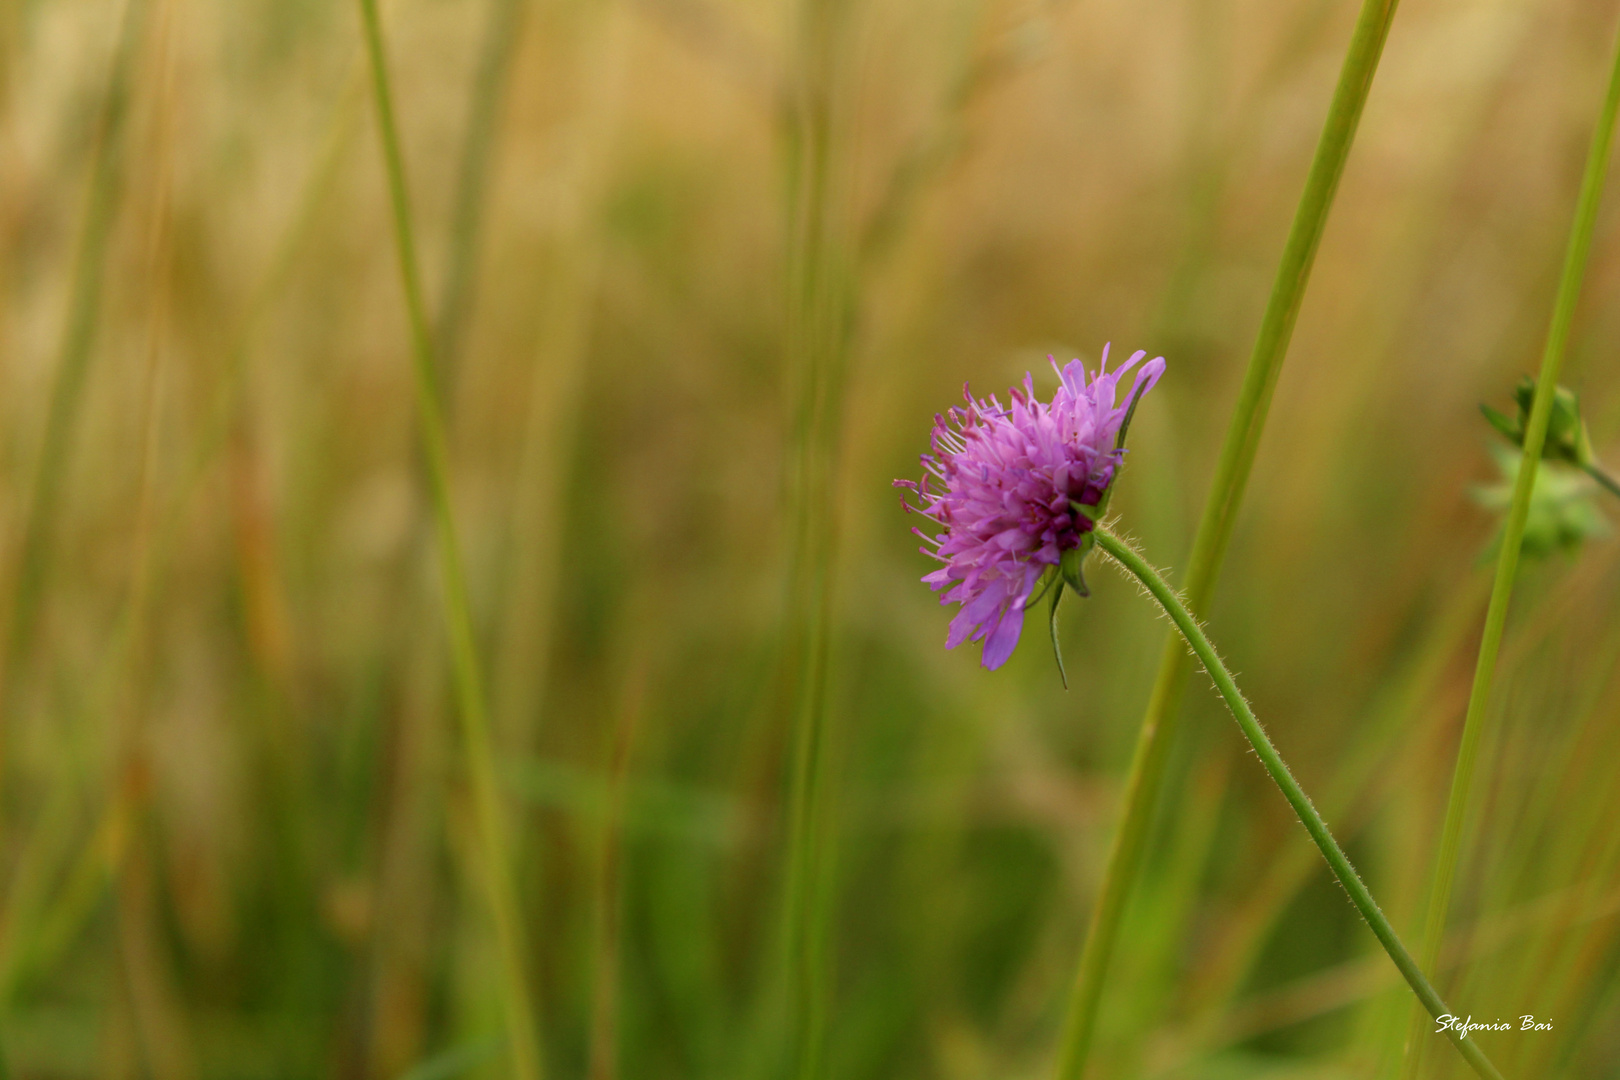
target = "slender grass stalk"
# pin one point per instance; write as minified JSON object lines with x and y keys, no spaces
{"x":63,"y":915}
{"x":472,"y":177}
{"x":77,"y":350}
{"x":26,"y":904}
{"x":607,"y":895}
{"x":522,"y":1035}
{"x":1193,"y":634}
{"x":1159,"y":724}
{"x":225,"y":419}
{"x":1570,"y":803}
{"x":932,"y":154}
{"x":573,"y":275}
{"x":394,"y":1027}
{"x":816,"y":341}
{"x":43,"y":927}
{"x":159,"y":1015}
{"x":805,"y":912}
{"x":1507,"y":560}
{"x":28,"y":900}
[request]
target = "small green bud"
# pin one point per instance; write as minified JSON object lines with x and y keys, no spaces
{"x":1509,"y":428}
{"x":1524,"y":395}
{"x":1566,"y":431}
{"x":1567,"y":438}
{"x":1562,"y":513}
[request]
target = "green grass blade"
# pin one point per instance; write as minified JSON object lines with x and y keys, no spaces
{"x":472,"y":176}
{"x":816,"y":349}
{"x":1507,"y":561}
{"x":494,"y":852}
{"x":78,"y":340}
{"x":1215,"y":527}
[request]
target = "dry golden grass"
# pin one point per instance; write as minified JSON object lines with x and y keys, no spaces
{"x":235,"y":836}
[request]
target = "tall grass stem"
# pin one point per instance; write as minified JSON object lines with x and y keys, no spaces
{"x":472,"y":177}
{"x":522,"y":1035}
{"x":1159,"y":724}
{"x":1192,"y":633}
{"x":1507,"y":560}
{"x":1608,"y":482}
{"x":816,"y":338}
{"x":102,"y":199}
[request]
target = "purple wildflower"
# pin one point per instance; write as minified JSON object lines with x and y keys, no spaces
{"x":1001,"y":482}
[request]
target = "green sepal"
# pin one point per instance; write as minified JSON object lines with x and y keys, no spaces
{"x":1072,"y":566}
{"x":1501,"y":423}
{"x":1130,"y":412}
{"x":1069,"y":573}
{"x":1057,"y":650}
{"x":1091,"y":513}
{"x":1047,"y":580}
{"x":1524,"y":395}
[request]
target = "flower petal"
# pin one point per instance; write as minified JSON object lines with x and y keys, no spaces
{"x":1004,"y":638}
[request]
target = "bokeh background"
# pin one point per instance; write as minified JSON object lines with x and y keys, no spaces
{"x":235,"y":834}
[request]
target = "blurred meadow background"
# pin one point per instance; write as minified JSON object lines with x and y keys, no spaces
{"x":700,"y":272}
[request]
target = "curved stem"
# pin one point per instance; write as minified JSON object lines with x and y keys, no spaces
{"x":523,"y":1037}
{"x":1507,"y":560}
{"x":1153,"y":743}
{"x":1126,"y":556}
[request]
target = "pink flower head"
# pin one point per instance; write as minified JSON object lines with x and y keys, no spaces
{"x":1001,"y":481}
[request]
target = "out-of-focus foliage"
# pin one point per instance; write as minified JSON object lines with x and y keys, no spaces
{"x":1567,"y":438}
{"x":234,"y":831}
{"x":1563,"y":504}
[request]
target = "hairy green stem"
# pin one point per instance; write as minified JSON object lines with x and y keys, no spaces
{"x":1153,"y":744}
{"x":1193,"y":634}
{"x":522,"y":1035}
{"x":1507,"y":560}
